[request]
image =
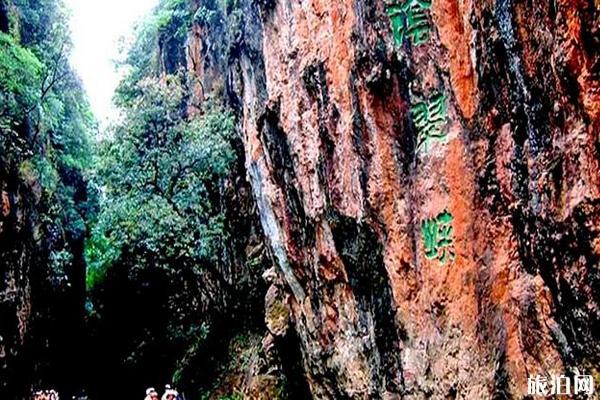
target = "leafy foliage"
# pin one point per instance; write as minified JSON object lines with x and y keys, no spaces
{"x":174,"y":13}
{"x":155,"y":202}
{"x":164,"y":31}
{"x":46,"y":130}
{"x":159,"y":251}
{"x":158,"y":176}
{"x":20,"y":79}
{"x":45,"y":119}
{"x":161,"y":228}
{"x":43,"y":25}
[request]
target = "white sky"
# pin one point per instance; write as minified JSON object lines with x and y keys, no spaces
{"x":96,"y":26}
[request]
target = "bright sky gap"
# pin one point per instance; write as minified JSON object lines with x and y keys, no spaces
{"x":97,"y":27}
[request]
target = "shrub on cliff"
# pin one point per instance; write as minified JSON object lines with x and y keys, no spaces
{"x":20,"y":78}
{"x":160,"y":178}
{"x":157,"y":242}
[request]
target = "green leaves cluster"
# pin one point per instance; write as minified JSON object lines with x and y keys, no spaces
{"x":20,"y":79}
{"x":160,"y":175}
{"x":46,"y":125}
{"x":173,"y":13}
{"x":169,"y":23}
{"x":160,"y":247}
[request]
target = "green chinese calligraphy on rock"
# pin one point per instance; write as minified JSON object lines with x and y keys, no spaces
{"x":438,"y":239}
{"x":409,"y":19}
{"x":429,"y":118}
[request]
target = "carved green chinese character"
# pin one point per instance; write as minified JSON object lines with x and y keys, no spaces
{"x":409,"y":19}
{"x":429,"y":118}
{"x":437,"y":237}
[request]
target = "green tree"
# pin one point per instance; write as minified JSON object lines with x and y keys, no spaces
{"x":162,"y":226}
{"x":20,"y":77}
{"x":46,"y":130}
{"x":159,"y":175}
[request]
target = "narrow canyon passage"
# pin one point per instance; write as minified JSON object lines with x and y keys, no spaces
{"x":271,"y":199}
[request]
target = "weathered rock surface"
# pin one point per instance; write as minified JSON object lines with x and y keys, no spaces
{"x":42,"y":271}
{"x":41,"y":311}
{"x":329,"y":100}
{"x":15,"y":284}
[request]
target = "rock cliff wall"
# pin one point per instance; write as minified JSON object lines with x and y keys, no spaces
{"x":427,"y":175}
{"x":15,"y":292}
{"x":41,"y":308}
{"x":42,"y":216}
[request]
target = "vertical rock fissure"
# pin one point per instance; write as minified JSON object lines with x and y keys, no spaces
{"x":361,"y":253}
{"x":273,"y":232}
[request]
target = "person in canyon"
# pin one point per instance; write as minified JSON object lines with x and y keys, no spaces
{"x":46,"y":395}
{"x":170,"y":393}
{"x":151,"y":394}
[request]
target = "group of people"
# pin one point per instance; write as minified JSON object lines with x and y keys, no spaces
{"x":151,"y":394}
{"x":45,"y":395}
{"x":169,"y":394}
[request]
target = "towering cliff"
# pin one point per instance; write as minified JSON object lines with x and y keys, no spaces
{"x":426,"y":173}
{"x":417,"y":182}
{"x":45,"y":127}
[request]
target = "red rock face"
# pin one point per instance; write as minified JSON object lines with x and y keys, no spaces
{"x":507,"y":287}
